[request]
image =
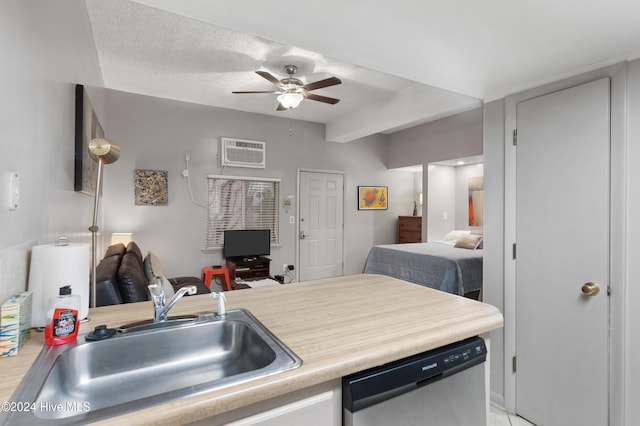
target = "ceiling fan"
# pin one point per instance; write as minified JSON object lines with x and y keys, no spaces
{"x":291,"y":91}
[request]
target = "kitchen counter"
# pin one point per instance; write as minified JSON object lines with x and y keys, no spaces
{"x":338,"y":326}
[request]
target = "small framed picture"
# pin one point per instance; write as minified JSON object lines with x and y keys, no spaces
{"x":151,"y":188}
{"x":373,"y":198}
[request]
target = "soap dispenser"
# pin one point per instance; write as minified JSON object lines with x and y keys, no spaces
{"x":63,"y":316}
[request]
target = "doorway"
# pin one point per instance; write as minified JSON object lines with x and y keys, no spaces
{"x":562,"y":256}
{"x":320,"y":224}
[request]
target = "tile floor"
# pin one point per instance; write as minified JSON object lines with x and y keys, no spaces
{"x":498,"y":417}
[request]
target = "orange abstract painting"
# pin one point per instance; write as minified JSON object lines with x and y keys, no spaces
{"x":373,"y":198}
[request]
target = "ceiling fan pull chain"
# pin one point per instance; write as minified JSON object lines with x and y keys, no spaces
{"x":290,"y":122}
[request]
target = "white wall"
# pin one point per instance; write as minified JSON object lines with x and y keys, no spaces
{"x":493,"y":239}
{"x":441,"y":201}
{"x":417,"y":190}
{"x":155,"y":133}
{"x":447,"y":195}
{"x":46,"y":48}
{"x":457,"y":136}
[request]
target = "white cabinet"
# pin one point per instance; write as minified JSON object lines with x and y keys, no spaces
{"x":316,"y":410}
{"x":319,"y":405}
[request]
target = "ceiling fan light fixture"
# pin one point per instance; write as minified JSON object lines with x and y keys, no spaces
{"x":291,"y":91}
{"x":290,"y":100}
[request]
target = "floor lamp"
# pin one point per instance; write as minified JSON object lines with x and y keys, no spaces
{"x":105,"y":152}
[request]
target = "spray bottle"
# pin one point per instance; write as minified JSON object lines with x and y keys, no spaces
{"x":63,"y":314}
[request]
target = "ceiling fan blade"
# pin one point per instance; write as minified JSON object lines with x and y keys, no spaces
{"x":281,"y":107}
{"x":331,"y":81}
{"x":324,"y":99}
{"x":269,"y":77}
{"x":270,"y":91}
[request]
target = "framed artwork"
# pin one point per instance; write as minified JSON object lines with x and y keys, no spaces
{"x":373,"y":198}
{"x":476,"y":200}
{"x":88,"y":127}
{"x":151,"y":187}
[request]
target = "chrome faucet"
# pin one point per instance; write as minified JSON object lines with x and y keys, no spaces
{"x":222,"y":310}
{"x":161,"y":308}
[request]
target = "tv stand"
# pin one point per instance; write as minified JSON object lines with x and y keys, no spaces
{"x":248,"y":268}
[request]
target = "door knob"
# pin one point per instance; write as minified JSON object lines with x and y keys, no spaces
{"x":590,"y":289}
{"x":302,"y":235}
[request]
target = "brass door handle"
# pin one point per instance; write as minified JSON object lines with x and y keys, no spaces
{"x":590,"y":289}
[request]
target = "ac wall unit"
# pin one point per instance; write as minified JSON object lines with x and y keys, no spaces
{"x":243,"y":153}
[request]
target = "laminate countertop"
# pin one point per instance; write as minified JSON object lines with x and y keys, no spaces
{"x":338,"y":326}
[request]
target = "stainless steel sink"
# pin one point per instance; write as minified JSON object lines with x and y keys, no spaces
{"x":86,"y":381}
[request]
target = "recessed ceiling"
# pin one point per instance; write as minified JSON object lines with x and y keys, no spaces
{"x":401,"y":63}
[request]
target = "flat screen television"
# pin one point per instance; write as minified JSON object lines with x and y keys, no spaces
{"x":247,"y":242}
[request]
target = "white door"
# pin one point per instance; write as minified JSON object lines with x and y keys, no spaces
{"x":321,"y":225}
{"x":562,"y":243}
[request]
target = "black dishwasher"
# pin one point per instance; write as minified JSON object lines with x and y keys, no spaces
{"x":441,"y":387}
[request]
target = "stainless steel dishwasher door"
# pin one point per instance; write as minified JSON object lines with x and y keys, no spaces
{"x":400,"y":394}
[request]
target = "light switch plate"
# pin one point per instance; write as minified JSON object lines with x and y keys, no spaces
{"x":14,"y":190}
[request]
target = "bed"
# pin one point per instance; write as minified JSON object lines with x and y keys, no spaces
{"x":453,"y":264}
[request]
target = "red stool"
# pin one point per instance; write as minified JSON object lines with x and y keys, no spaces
{"x":209,"y":272}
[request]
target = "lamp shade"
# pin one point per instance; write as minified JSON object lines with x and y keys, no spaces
{"x":109,"y":151}
{"x":290,"y":100}
{"x":121,"y":237}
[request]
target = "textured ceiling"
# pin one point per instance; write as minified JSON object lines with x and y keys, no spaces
{"x":401,"y":63}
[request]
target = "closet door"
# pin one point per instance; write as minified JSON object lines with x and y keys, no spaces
{"x":562,"y":215}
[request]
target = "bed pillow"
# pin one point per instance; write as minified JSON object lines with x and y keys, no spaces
{"x":453,"y":236}
{"x":480,"y":233}
{"x":468,"y":241}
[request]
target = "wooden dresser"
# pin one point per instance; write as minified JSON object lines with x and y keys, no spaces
{"x":409,"y":229}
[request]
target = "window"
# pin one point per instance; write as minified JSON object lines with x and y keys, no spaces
{"x":241,"y":203}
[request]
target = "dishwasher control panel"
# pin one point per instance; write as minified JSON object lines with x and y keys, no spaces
{"x":466,"y":354}
{"x":363,"y":389}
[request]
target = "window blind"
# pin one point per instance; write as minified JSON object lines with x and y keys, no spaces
{"x":237,"y":202}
